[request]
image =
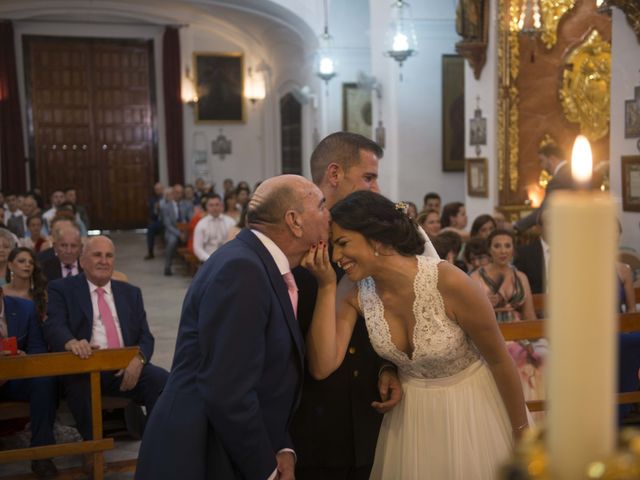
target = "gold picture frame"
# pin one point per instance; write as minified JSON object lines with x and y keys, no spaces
{"x":477,"y":177}
{"x":219,"y":85}
{"x":631,"y":183}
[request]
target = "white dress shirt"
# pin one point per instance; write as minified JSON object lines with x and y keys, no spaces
{"x":545,"y":253}
{"x":210,"y":233}
{"x":283,"y":266}
{"x":98,"y":332}
{"x":65,"y":270}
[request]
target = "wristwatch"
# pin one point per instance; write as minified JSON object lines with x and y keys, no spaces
{"x":143,"y":360}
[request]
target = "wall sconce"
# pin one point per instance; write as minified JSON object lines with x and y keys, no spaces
{"x":326,"y":68}
{"x":188,"y":89}
{"x":400,"y":39}
{"x":254,"y":87}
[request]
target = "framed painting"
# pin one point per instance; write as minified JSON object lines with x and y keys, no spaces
{"x":631,"y":183}
{"x":632,"y":116}
{"x":219,"y":85}
{"x":356,"y":109}
{"x":453,"y":113}
{"x":477,"y":177}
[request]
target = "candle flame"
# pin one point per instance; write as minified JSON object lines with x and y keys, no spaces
{"x":581,"y":161}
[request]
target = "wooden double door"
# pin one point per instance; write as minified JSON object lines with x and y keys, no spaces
{"x":92,"y":125}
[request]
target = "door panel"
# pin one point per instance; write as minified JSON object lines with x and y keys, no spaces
{"x":92,"y":124}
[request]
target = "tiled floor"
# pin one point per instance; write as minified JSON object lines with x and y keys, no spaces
{"x":163,"y":301}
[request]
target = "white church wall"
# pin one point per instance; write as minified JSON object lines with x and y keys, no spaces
{"x":412,"y":108}
{"x":485,"y":88}
{"x":624,"y":78}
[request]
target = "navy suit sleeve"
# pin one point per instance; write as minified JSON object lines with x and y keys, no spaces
{"x":56,"y":326}
{"x":35,"y":343}
{"x":145,"y":338}
{"x":232,"y":344}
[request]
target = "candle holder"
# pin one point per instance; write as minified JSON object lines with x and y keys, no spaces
{"x":530,"y":460}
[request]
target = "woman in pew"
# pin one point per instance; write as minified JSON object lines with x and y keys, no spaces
{"x":509,"y":292}
{"x":25,"y":279}
{"x":7,"y":243}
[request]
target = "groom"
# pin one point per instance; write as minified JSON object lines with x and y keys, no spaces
{"x":238,"y":366}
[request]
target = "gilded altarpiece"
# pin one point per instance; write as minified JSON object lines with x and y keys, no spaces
{"x":541,"y":85}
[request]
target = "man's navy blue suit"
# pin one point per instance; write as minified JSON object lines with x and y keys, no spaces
{"x":23,"y":323}
{"x":236,"y":375}
{"x":70,"y":315}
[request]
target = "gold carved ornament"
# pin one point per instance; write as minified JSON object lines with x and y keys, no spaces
{"x":585,"y":92}
{"x":551,"y":12}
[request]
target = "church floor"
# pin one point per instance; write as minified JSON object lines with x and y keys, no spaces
{"x":163,"y":298}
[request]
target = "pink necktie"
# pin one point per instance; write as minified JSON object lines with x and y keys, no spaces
{"x":293,"y":291}
{"x":107,"y":320}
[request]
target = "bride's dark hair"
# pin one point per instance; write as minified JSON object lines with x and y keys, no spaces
{"x":378,"y":218}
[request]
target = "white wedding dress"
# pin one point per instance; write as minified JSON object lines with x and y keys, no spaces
{"x":451,"y":423}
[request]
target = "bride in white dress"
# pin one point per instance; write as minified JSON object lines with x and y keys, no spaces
{"x":463,"y":404}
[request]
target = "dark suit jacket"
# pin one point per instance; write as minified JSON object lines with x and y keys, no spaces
{"x":236,"y":374}
{"x":45,"y":255}
{"x":70,"y":314}
{"x":335,"y":425}
{"x":529,"y":260}
{"x":16,"y":225}
{"x":52,"y":269}
{"x":23,"y":323}
{"x":562,"y":180}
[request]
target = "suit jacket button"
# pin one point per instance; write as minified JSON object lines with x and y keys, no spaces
{"x":355,"y":373}
{"x":352,"y":350}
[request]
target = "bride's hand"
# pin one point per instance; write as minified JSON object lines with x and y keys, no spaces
{"x":317,"y":262}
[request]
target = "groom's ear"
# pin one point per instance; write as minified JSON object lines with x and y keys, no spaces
{"x":334,"y":174}
{"x":292,"y":220}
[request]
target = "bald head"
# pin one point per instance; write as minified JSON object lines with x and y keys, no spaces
{"x":291,"y":211}
{"x":98,"y":259}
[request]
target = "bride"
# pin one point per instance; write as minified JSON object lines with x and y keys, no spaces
{"x":463,"y":404}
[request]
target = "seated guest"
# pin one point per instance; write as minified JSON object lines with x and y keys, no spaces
{"x":429,"y":220}
{"x":412,"y":210}
{"x":476,"y":254}
{"x":198,"y":213}
{"x":69,"y":209}
{"x":13,"y":216}
{"x":231,"y":205}
{"x":19,"y":318}
{"x":190,"y":195}
{"x":36,"y":241}
{"x":509,"y":292}
{"x":90,"y":310}
{"x":25,"y":279}
{"x":7,"y":243}
{"x":67,"y":246}
{"x":71,"y":196}
{"x":242,"y":194}
{"x":532,"y":259}
{"x":431,"y":201}
{"x":212,"y":230}
{"x":59,"y":223}
{"x":448,"y":245}
{"x":57,"y":197}
{"x":242,"y":222}
{"x":482,"y":226}
{"x":172,"y":215}
{"x":454,"y":219}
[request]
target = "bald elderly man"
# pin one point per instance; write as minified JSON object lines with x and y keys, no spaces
{"x":238,"y":366}
{"x":89,"y":311}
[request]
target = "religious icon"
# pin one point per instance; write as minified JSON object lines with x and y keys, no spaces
{"x":632,"y":116}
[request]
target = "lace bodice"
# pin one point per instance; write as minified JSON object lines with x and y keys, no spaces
{"x":441,"y":347}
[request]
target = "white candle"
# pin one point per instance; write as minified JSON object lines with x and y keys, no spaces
{"x":582,"y":331}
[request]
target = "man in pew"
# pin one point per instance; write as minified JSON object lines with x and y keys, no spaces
{"x":19,"y":319}
{"x":532,"y":259}
{"x":90,"y":311}
{"x":67,"y":245}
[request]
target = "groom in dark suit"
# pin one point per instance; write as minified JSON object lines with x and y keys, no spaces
{"x":238,"y":366}
{"x":89,"y":311}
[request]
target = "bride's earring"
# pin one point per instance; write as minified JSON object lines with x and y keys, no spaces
{"x":375,"y":253}
{"x":10,"y":275}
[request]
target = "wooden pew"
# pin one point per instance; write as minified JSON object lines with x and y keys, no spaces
{"x":534,"y":329}
{"x":66,"y":363}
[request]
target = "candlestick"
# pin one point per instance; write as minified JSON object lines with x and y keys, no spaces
{"x":582,"y":331}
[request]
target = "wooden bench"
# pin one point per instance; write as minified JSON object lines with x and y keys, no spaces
{"x":534,"y":329}
{"x":55,"y":364}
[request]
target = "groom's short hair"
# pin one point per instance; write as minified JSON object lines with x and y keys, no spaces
{"x":342,"y":148}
